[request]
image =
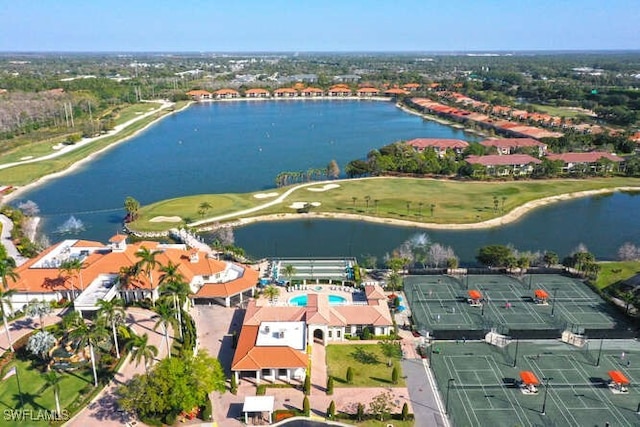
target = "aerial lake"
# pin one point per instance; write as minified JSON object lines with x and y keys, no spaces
{"x":241,"y":147}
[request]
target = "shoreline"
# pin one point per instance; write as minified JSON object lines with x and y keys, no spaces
{"x":76,"y":165}
{"x":510,"y":217}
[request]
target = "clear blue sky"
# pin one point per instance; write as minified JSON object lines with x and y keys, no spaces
{"x":318,"y":25}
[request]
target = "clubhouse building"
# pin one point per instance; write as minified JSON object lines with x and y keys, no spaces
{"x":274,"y":338}
{"x":107,"y":271}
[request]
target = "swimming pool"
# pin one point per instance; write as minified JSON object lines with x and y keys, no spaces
{"x":301,"y":300}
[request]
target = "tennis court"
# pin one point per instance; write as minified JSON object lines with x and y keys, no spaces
{"x":314,"y":269}
{"x":442,"y":305}
{"x":483,"y":386}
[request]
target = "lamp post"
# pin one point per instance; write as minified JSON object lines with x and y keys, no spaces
{"x":446,"y":405}
{"x":546,"y":387}
{"x":467,"y":285}
{"x":515,"y":357}
{"x":530,"y":278}
{"x":553,"y":303}
{"x":599,"y":352}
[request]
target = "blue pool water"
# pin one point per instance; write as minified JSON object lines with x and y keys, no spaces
{"x":301,"y":300}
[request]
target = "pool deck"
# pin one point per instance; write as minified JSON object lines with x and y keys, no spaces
{"x":288,"y":292}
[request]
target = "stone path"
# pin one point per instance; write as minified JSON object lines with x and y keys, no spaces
{"x":318,"y":370}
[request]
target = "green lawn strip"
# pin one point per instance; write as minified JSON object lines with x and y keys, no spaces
{"x":35,"y":398}
{"x":612,"y":273}
{"x":24,"y":174}
{"x":378,"y":423}
{"x":411,"y":199}
{"x":559,"y":111}
{"x":135,"y":110}
{"x":374,"y":373}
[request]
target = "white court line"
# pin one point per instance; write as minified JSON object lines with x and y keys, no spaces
{"x":436,"y":393}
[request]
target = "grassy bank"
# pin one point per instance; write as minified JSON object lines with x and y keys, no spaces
{"x":612,"y":273}
{"x":25,"y":174}
{"x":409,"y":199}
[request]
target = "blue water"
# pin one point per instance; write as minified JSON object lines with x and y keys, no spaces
{"x":301,"y":300}
{"x":242,"y":146}
{"x":220,"y":148}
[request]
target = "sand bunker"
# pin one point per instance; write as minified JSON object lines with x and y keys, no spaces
{"x":166,"y":219}
{"x":264,"y":195}
{"x":316,"y":204}
{"x":300,"y":205}
{"x":26,"y":157}
{"x":324,"y":187}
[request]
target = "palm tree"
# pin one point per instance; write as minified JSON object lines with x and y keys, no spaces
{"x":141,"y":349}
{"x":375,"y":203}
{"x":205,"y":206}
{"x":166,"y":317}
{"x":5,"y":300}
{"x":408,"y":207}
{"x":420,"y":204}
{"x":628,"y":298}
{"x":367,"y":199}
{"x":90,"y":335}
{"x":132,"y":206}
{"x":7,"y":272}
{"x":271,"y":292}
{"x":72,"y":268}
{"x":354,"y":201}
{"x":172,"y":283}
{"x":39,"y":309}
{"x":52,"y":379}
{"x":289,"y":271}
{"x":432,"y":207}
{"x":147,"y":263}
{"x":113,"y":313}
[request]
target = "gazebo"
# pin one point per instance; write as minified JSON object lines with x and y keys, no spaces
{"x":541,"y":296}
{"x":529,"y":382}
{"x":618,"y":382}
{"x":258,"y":404}
{"x":475,"y":297}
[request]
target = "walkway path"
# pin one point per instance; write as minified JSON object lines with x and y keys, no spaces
{"x":103,"y":410}
{"x":273,"y":202}
{"x":5,"y":238}
{"x":68,"y":148}
{"x":25,"y":325}
{"x":318,"y":370}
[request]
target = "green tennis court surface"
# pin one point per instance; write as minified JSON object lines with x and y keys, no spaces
{"x":440,"y":305}
{"x":485,"y":392}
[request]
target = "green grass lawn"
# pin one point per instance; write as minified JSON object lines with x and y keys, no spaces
{"x":615,"y":272}
{"x":411,"y":199}
{"x":135,"y":110}
{"x":35,"y":398}
{"x":559,"y":111}
{"x":368,"y":363}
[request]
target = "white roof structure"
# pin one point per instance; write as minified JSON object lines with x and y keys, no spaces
{"x":258,"y":404}
{"x":290,"y":334}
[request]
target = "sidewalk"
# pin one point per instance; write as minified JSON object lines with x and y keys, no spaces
{"x":12,"y":251}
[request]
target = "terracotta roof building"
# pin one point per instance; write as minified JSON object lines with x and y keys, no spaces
{"x":368,"y":91}
{"x":311,"y":92}
{"x":273,"y":340}
{"x":257,"y":93}
{"x":440,"y":146}
{"x":285,"y":92}
{"x":103,"y":274}
{"x":595,"y":161}
{"x":512,"y":145}
{"x":339,"y":90}
{"x":198,"y":94}
{"x":226,"y":94}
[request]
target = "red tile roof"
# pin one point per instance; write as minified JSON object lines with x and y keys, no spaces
{"x":248,"y":280}
{"x":498,"y":160}
{"x":249,"y":357}
{"x":591,"y":157}
{"x":227,"y":92}
{"x":285,"y":90}
{"x":512,"y":143}
{"x":198,"y":92}
{"x":368,"y":90}
{"x":312,"y":90}
{"x":396,"y":91}
{"x":257,"y":90}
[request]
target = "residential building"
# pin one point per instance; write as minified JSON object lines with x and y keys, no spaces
{"x":226,"y":94}
{"x":257,"y":93}
{"x":513,"y":145}
{"x":199,"y":94}
{"x":505,"y":164}
{"x":440,"y":146}
{"x":311,"y":92}
{"x":339,"y":90}
{"x":595,"y":161}
{"x":368,"y":91}
{"x":273,"y":340}
{"x":285,"y":92}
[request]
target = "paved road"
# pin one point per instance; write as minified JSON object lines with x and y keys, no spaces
{"x":7,"y":226}
{"x":426,"y":403}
